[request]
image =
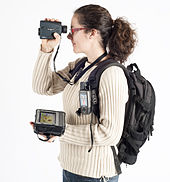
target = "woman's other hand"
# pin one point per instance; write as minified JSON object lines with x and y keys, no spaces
{"x":52,"y":138}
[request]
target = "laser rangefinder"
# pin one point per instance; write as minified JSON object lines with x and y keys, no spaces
{"x":48,"y":28}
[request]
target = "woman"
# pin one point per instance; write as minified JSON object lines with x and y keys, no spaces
{"x":93,"y":31}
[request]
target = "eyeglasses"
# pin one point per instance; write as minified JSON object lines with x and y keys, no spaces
{"x":72,"y":30}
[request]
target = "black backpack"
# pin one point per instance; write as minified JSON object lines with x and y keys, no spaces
{"x":139,"y":113}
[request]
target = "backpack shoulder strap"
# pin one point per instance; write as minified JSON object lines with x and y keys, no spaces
{"x":97,"y":72}
{"x":94,"y":80}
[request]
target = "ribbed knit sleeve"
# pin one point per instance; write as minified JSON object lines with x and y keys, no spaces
{"x":113,"y":95}
{"x":45,"y":81}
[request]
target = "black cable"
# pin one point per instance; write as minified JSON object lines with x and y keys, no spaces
{"x":55,"y":57}
{"x":91,"y":132}
{"x":65,"y":79}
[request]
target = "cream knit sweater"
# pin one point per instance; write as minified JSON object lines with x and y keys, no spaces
{"x":76,"y":141}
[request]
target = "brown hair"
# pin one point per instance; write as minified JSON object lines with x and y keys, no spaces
{"x":117,"y":35}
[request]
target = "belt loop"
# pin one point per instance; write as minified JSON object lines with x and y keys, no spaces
{"x":104,"y":179}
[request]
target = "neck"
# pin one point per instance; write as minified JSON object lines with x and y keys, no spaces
{"x":93,"y":55}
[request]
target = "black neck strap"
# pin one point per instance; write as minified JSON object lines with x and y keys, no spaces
{"x":91,"y":65}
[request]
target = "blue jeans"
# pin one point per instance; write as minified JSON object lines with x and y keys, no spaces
{"x":70,"y":177}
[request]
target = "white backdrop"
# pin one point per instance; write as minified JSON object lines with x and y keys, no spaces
{"x":23,"y":158}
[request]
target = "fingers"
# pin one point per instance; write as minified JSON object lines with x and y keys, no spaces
{"x":32,"y":124}
{"x":52,"y":139}
{"x":57,"y":36}
{"x":51,"y":19}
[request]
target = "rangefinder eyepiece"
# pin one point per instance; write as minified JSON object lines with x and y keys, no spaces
{"x":48,"y":28}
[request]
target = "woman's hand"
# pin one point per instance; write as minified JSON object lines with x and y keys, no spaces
{"x":52,"y":138}
{"x":47,"y":46}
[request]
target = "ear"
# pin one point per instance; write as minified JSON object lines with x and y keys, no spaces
{"x":93,"y":33}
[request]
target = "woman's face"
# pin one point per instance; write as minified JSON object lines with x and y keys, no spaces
{"x":79,"y":39}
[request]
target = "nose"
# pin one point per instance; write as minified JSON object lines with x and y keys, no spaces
{"x":69,"y":36}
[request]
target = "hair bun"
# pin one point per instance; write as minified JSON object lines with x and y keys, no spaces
{"x":122,"y":41}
